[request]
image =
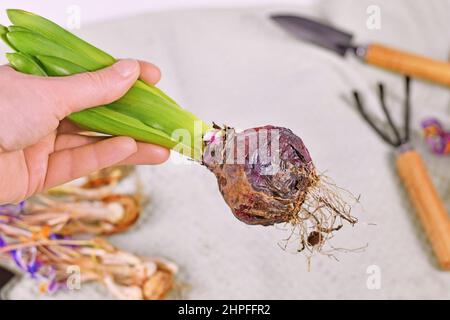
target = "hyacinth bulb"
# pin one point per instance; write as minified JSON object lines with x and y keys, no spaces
{"x":263,"y":173}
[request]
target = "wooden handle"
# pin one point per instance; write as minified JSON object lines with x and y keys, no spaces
{"x":409,"y":64}
{"x":427,"y":203}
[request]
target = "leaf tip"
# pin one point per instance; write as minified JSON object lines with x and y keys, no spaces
{"x":13,"y":14}
{"x":8,"y":36}
{"x":3,"y":31}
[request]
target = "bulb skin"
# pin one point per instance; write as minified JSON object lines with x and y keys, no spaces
{"x":263,"y":173}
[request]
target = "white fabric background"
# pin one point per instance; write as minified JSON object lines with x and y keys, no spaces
{"x":236,"y":67}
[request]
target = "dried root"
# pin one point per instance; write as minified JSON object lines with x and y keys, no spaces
{"x":325,"y":210}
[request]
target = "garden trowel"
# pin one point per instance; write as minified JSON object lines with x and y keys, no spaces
{"x":375,"y":54}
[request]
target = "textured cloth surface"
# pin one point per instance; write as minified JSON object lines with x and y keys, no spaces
{"x":236,"y":67}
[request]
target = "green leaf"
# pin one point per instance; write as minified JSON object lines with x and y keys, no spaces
{"x":103,"y":119}
{"x":144,"y":113}
{"x":36,"y":45}
{"x":3,"y":33}
{"x":3,"y":30}
{"x":54,"y":32}
{"x":27,"y":21}
{"x":24,"y":63}
{"x":140,"y":101}
{"x":17,"y":28}
{"x":59,"y":67}
{"x":153,"y":111}
{"x":150,"y":88}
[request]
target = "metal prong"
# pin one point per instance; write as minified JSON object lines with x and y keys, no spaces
{"x":369,"y":121}
{"x":388,"y":114}
{"x":407,"y":108}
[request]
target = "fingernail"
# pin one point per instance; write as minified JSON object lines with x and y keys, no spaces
{"x":126,"y":68}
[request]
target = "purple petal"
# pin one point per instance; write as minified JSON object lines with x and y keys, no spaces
{"x":56,"y":236}
{"x":53,"y":286}
{"x":431,"y":122}
{"x":17,"y":257}
{"x":26,"y":260}
{"x":33,"y":268}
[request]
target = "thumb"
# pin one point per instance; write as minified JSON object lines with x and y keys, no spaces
{"x":91,"y":89}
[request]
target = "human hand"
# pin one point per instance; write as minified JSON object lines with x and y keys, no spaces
{"x":39,"y":150}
